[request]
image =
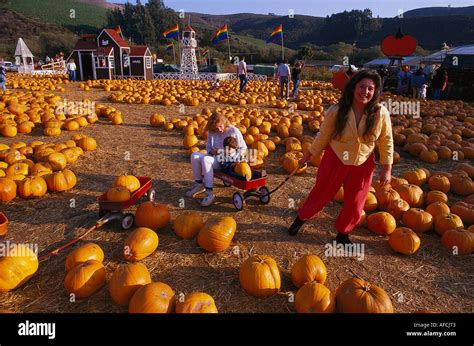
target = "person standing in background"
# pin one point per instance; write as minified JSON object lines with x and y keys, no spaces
{"x":242,"y":72}
{"x":283,"y":76}
{"x":3,"y":76}
{"x":71,"y":70}
{"x":439,"y":83}
{"x":296,"y":76}
{"x":417,"y":82}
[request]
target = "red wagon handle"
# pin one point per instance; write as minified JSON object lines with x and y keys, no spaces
{"x":286,"y":179}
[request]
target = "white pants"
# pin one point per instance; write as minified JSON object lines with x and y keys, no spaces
{"x":203,"y":168}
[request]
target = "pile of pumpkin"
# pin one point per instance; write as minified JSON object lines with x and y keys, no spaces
{"x":403,"y":200}
{"x":30,"y":170}
{"x":22,"y":111}
{"x":122,"y":188}
{"x":37,"y":82}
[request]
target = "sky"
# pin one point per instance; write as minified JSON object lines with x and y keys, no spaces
{"x":318,"y":8}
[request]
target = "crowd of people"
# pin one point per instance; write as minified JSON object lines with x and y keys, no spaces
{"x":417,"y":84}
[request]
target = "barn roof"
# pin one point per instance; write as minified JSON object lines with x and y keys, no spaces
{"x":138,"y":50}
{"x":85,"y":45}
{"x":117,"y":38}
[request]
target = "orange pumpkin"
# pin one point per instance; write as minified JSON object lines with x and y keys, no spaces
{"x":141,"y":243}
{"x":397,"y":208}
{"x":439,"y":183}
{"x":152,"y":215}
{"x":260,"y":276}
{"x":7,"y":190}
{"x":445,"y":222}
{"x":404,"y":240}
{"x":458,"y":240}
{"x":436,"y":196}
{"x":85,"y":279}
{"x":217,"y":233}
{"x":154,"y":297}
{"x":385,"y":196}
{"x":462,"y":185}
{"x":359,"y":296}
{"x":307,"y":269}
{"x":415,"y":176}
{"x":87,"y":144}
{"x":61,"y":181}
{"x":87,"y":252}
{"x":412,"y":194}
{"x":465,"y":211}
{"x":188,"y":225}
{"x":126,"y":280}
{"x":370,"y":202}
{"x":118,"y":194}
{"x":127,"y":181}
{"x":32,"y":187}
{"x":314,"y":297}
{"x":437,"y":208}
{"x":289,"y":161}
{"x":381,"y":223}
{"x":418,"y":220}
{"x":17,"y":267}
{"x":196,"y":303}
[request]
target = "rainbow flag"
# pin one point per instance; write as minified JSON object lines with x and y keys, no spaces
{"x":220,"y":34}
{"x":277,"y":34}
{"x":205,"y":52}
{"x":169,"y":46}
{"x":172,"y":32}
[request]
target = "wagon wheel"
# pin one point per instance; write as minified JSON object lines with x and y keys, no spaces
{"x":264,"y":195}
{"x":151,"y":195}
{"x":127,"y":221}
{"x":238,"y":200}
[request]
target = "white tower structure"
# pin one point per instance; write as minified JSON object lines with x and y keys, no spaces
{"x":188,"y":46}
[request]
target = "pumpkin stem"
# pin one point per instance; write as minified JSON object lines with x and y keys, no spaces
{"x":399,"y":33}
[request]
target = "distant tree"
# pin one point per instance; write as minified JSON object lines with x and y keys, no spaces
{"x":305,"y":53}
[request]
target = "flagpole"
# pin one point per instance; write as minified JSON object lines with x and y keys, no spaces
{"x":228,"y":43}
{"x":282,"y":48}
{"x":174,"y":54}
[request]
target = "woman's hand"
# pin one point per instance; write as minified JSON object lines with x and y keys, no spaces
{"x":386,"y":175}
{"x":305,"y":158}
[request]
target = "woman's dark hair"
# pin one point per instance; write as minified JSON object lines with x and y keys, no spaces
{"x":345,"y":102}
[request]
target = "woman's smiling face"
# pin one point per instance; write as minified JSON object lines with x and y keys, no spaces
{"x":364,"y":91}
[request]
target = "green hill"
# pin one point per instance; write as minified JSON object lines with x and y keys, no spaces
{"x":69,"y":13}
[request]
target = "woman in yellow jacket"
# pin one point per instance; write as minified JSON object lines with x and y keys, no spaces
{"x":348,"y":135}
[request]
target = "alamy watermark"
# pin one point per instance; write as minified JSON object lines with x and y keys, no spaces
{"x":411,"y":108}
{"x":75,"y":107}
{"x":336,"y":249}
{"x":8,"y":249}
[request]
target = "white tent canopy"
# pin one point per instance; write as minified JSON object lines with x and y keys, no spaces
{"x":24,"y":57}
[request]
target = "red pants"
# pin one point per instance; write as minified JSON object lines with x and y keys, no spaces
{"x":332,"y":173}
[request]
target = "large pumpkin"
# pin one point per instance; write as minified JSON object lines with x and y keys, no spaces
{"x":7,"y":190}
{"x":155,"y":297}
{"x":439,"y":182}
{"x":462,"y":185}
{"x":126,"y":280}
{"x":458,"y":240}
{"x":87,"y":144}
{"x":404,"y":240}
{"x":415,"y":176}
{"x":307,"y":269}
{"x":87,"y":252}
{"x":385,"y":196}
{"x":290,"y":160}
{"x":398,"y":44}
{"x":32,"y":187}
{"x":85,"y":279}
{"x":437,"y":208}
{"x":445,"y":222}
{"x":381,"y":223}
{"x":260,"y":276}
{"x":57,"y":161}
{"x":141,"y":243}
{"x":314,"y":297}
{"x":17,"y":267}
{"x":217,"y":233}
{"x":412,"y":194}
{"x":465,"y":211}
{"x":418,"y":220}
{"x":397,"y":208}
{"x":118,"y":194}
{"x":243,"y":169}
{"x":370,"y":203}
{"x":130,"y":182}
{"x":359,"y":296}
{"x":188,"y":225}
{"x":152,"y":215}
{"x":196,"y":303}
{"x":436,"y":196}
{"x":61,"y":181}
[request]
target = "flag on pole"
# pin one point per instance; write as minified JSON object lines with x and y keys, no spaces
{"x":277,"y":33}
{"x":169,"y":46}
{"x":220,"y":34}
{"x":205,"y":52}
{"x":172,"y":32}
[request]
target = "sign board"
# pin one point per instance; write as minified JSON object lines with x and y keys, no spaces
{"x":105,"y":42}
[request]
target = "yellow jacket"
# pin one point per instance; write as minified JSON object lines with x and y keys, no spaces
{"x":351,"y":148}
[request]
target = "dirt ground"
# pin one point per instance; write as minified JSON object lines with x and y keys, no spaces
{"x":432,"y":278}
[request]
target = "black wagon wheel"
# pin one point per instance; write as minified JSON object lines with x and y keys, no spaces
{"x":238,"y":200}
{"x":264,"y":195}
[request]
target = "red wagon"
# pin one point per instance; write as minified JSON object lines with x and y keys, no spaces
{"x":256,"y":187}
{"x":115,"y":208}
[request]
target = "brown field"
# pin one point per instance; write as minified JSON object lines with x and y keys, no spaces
{"x":432,"y":278}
